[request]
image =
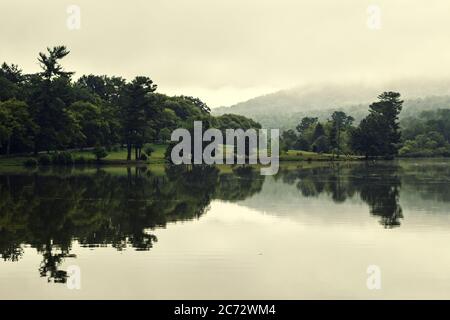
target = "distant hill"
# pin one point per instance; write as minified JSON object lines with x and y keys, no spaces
{"x":285,"y":108}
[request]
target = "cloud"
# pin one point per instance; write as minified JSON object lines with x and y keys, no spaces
{"x":228,"y":50}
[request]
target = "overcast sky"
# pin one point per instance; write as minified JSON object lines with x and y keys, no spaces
{"x":226,"y":51}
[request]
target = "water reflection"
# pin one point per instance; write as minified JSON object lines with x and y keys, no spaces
{"x":378,"y":186}
{"x":49,"y":209}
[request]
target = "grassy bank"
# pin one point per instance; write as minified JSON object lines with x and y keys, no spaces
{"x":297,"y":155}
{"x":118,"y":157}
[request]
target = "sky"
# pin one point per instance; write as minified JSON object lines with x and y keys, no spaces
{"x":227,"y":51}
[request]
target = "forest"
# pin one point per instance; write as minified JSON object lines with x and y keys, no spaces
{"x":49,"y":111}
{"x":379,"y":134}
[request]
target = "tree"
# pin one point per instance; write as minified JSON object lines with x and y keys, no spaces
{"x":365,"y":139}
{"x":379,"y":133}
{"x":387,"y":110}
{"x":50,"y":93}
{"x":302,"y":144}
{"x":16,"y":125}
{"x":93,"y":126}
{"x":339,"y":123}
{"x":289,"y":139}
{"x":50,"y":62}
{"x":429,"y":144}
{"x":305,"y":124}
{"x":164,"y":135}
{"x":319,"y":131}
{"x":99,"y":153}
{"x":136,"y":110}
{"x":198,"y":103}
{"x":10,"y":80}
{"x":321,"y":145}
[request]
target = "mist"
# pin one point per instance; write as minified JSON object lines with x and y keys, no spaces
{"x":230,"y":51}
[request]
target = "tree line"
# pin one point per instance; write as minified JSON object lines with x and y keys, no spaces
{"x":427,"y":135}
{"x":49,"y":111}
{"x":379,"y":134}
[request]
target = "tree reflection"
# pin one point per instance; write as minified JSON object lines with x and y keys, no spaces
{"x":377,"y":185}
{"x":50,"y":209}
{"x":380,"y":187}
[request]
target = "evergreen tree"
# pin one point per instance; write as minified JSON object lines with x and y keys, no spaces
{"x":379,"y":133}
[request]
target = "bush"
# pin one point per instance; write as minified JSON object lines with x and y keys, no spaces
{"x":143,"y":157}
{"x":62,"y":158}
{"x":68,"y":158}
{"x":55,"y":158}
{"x":30,"y":163}
{"x":149,"y":150}
{"x":80,"y":160}
{"x":168,"y":153}
{"x":243,"y":170}
{"x":44,"y":160}
{"x":99,"y":153}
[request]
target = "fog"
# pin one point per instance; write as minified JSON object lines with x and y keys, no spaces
{"x":226,"y":51}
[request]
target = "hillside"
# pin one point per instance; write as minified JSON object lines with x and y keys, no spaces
{"x":285,"y":108}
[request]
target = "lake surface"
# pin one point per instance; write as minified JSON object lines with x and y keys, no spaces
{"x":311,"y":232}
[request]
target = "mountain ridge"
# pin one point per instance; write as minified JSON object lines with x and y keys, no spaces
{"x":284,"y":109}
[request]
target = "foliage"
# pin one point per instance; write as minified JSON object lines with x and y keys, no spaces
{"x":62,"y":158}
{"x":149,"y":150}
{"x":426,"y":145}
{"x":379,"y":133}
{"x":44,"y":160}
{"x":30,"y":163}
{"x":340,"y":123}
{"x":321,"y":145}
{"x":16,"y":125}
{"x":99,"y":153}
{"x":80,"y":160}
{"x":48,"y":111}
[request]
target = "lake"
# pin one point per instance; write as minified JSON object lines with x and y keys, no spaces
{"x":312,"y":231}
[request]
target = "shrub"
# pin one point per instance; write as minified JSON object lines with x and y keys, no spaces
{"x":62,"y":158}
{"x":149,"y":150}
{"x":99,"y":153}
{"x":65,"y":158}
{"x":168,"y":153}
{"x":80,"y":160}
{"x":55,"y":158}
{"x":45,"y":160}
{"x":30,"y":163}
{"x":243,"y":170}
{"x":143,"y":157}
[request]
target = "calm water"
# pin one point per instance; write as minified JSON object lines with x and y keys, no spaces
{"x":309,"y":232}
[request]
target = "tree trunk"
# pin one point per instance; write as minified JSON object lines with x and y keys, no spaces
{"x":35,"y":151}
{"x":128,"y":151}
{"x":8,"y":146}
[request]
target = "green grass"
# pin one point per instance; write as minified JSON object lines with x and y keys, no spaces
{"x":119,"y":157}
{"x":297,"y":155}
{"x":13,"y":161}
{"x":114,"y":157}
